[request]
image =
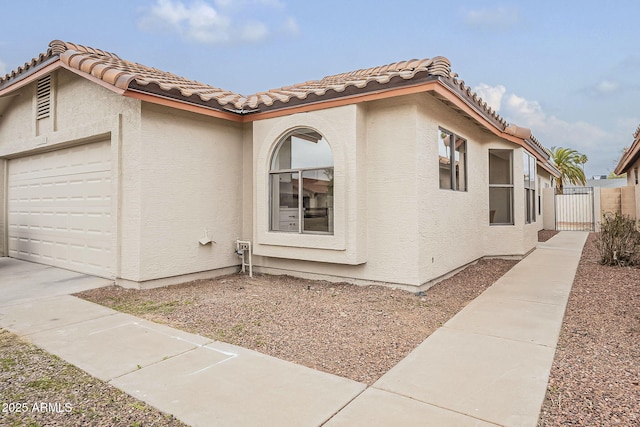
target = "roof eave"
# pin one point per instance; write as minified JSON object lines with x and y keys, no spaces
{"x":29,"y":76}
{"x":349,"y":92}
{"x":183,"y":104}
{"x":629,"y":157}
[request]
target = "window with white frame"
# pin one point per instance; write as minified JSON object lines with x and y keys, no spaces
{"x":452,"y":161}
{"x":501,"y":187}
{"x":301,"y":184}
{"x":529,"y":168}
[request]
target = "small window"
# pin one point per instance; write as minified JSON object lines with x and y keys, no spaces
{"x":301,"y":182}
{"x":529,"y":168}
{"x":635,"y":173}
{"x":452,"y":150}
{"x":501,"y":187}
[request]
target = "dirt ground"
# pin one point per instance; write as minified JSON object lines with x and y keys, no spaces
{"x":358,"y":332}
{"x":595,"y":378}
{"x":352,"y":331}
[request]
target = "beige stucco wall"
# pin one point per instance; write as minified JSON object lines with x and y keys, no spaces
{"x":344,"y":129}
{"x":82,"y":112}
{"x":3,"y":208}
{"x":631,"y":182}
{"x":386,"y":156}
{"x":174,"y":175}
{"x":610,"y":200}
{"x":375,"y":232}
{"x":549,"y":209}
{"x":451,"y":223}
{"x":190,"y":181}
{"x":544,"y":183}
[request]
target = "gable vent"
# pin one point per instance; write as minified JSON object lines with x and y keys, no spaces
{"x":43,"y":98}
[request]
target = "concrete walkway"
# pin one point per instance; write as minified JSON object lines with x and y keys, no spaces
{"x":487,"y":366}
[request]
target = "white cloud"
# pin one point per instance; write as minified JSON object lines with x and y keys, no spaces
{"x":254,"y":32}
{"x":291,"y":26}
{"x":492,"y":95}
{"x":497,"y":18}
{"x":220,"y":22}
{"x":198,"y":21}
{"x":600,"y":145}
{"x":607,"y":86}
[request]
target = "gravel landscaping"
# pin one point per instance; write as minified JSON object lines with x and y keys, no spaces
{"x":38,"y":389}
{"x":595,"y":376}
{"x":358,"y":332}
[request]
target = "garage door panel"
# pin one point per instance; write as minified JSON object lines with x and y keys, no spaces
{"x":59,"y":206}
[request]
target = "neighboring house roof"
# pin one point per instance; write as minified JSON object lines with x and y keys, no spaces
{"x":602,"y":183}
{"x":630,"y":155}
{"x":153,"y":85}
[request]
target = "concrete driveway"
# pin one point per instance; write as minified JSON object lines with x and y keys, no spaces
{"x":200,"y":381}
{"x":22,"y":281}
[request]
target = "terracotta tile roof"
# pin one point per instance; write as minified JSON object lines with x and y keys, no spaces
{"x":360,"y":79}
{"x":126,"y":75}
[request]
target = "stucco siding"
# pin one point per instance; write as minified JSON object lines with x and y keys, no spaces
{"x":517,"y":239}
{"x":17,"y":122}
{"x":451,"y":222}
{"x":376,"y":227}
{"x":191,"y":180}
{"x":3,"y":208}
{"x":339,"y":128}
{"x":392,"y":190}
{"x":81,"y":112}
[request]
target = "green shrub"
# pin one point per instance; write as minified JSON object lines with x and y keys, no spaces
{"x":619,"y":240}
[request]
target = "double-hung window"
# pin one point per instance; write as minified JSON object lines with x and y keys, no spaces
{"x":301,"y":184}
{"x":529,"y":167}
{"x":501,"y":187}
{"x":452,"y":161}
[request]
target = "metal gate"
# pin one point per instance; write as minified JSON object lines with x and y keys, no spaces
{"x":575,"y":209}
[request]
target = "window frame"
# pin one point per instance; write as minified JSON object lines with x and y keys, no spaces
{"x":300,"y":172}
{"x":454,"y":180}
{"x":529,"y":165}
{"x":510,"y":186}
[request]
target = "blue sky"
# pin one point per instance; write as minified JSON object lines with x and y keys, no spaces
{"x":567,"y":69}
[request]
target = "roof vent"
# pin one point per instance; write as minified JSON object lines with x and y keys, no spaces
{"x":43,"y":98}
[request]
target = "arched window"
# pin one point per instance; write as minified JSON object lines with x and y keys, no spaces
{"x":301,"y":183}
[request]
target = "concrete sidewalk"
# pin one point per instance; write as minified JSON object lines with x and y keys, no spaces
{"x":488,"y":365}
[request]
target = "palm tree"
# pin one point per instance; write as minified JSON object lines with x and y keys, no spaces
{"x":583,"y":159}
{"x":567,"y":161}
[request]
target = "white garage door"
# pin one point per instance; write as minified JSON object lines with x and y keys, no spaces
{"x":59,"y":207}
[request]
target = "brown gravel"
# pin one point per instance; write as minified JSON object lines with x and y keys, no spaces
{"x":595,"y":379}
{"x":38,"y":389}
{"x":358,"y":332}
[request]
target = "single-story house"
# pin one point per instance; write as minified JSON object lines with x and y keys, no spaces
{"x":629,"y":163}
{"x":398,"y":174}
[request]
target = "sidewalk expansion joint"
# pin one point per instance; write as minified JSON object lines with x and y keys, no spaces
{"x":499,"y":337}
{"x":345,"y":405}
{"x":69,"y":324}
{"x":436,"y":406}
